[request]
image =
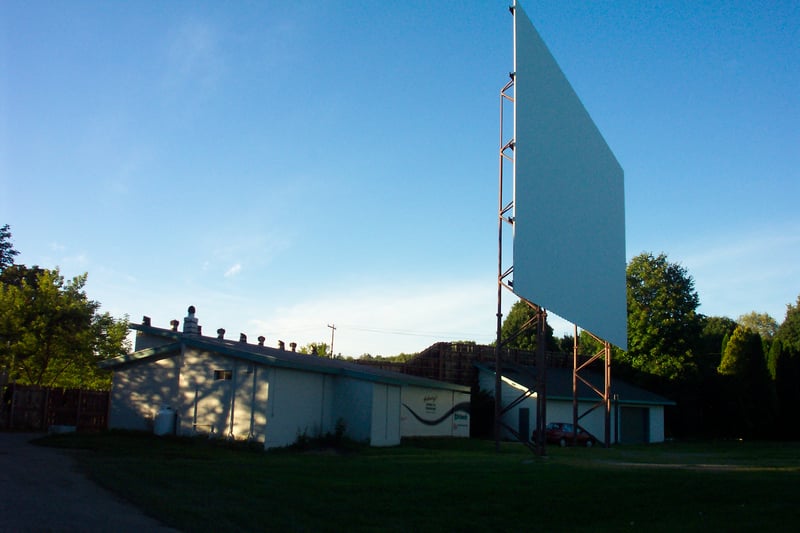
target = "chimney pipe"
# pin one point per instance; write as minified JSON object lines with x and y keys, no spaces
{"x":242,"y":337}
{"x":190,"y":325}
{"x":281,"y":345}
{"x":174,"y":324}
{"x":145,"y":320}
{"x":293,"y":346}
{"x":221,"y":333}
{"x":261,"y":340}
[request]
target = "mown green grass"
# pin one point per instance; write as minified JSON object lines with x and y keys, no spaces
{"x":450,"y":485}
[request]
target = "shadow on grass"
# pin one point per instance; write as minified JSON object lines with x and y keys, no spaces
{"x":446,"y":485}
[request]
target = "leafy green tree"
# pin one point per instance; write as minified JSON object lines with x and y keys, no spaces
{"x":588,"y":345}
{"x":789,"y":330}
{"x":744,"y":364}
{"x":7,"y":251}
{"x":315,"y":348}
{"x":761,"y":323}
{"x":663,"y":325}
{"x":518,"y":316}
{"x":565,"y":343}
{"x":401,"y":357}
{"x":738,"y":357}
{"x":51,"y":334}
{"x":776,"y":352}
{"x":710,"y":345}
{"x":784,"y":367}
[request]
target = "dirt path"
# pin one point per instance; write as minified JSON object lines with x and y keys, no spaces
{"x":41,"y":490}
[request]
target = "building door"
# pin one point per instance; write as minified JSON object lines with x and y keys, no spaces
{"x":635,"y":425}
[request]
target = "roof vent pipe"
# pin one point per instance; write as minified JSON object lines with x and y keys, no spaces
{"x":190,"y":322}
{"x":221,"y":333}
{"x":261,"y":340}
{"x":174,"y":324}
{"x":242,"y":337}
{"x":145,"y":320}
{"x":281,"y":345}
{"x":293,"y":346}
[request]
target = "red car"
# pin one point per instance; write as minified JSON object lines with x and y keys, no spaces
{"x":563,"y":434}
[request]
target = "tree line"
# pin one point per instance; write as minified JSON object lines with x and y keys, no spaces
{"x":730,"y":378}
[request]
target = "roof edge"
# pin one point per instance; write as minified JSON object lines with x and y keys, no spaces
{"x":147,"y":353}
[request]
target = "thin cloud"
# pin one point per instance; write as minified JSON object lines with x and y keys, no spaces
{"x":233,"y":271}
{"x":194,"y":56}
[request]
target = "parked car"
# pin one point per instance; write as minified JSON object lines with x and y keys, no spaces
{"x":563,"y":434}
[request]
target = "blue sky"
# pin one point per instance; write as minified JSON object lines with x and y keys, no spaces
{"x":283,"y":166}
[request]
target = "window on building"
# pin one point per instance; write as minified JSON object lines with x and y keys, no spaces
{"x":222,"y":374}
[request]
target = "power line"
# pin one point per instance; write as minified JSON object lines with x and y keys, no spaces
{"x":433,"y":334}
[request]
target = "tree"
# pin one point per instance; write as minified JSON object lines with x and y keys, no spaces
{"x":784,"y":368}
{"x":663,"y":325}
{"x":566,"y":343}
{"x":744,"y":364}
{"x":520,"y":314}
{"x":51,"y":334}
{"x":789,"y":330}
{"x":7,"y":251}
{"x":714,"y":330}
{"x":315,"y":348}
{"x":784,"y":365}
{"x":402,"y":357}
{"x":16,"y":274}
{"x":761,"y":323}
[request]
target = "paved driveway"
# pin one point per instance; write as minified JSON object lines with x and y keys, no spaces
{"x":41,"y":490}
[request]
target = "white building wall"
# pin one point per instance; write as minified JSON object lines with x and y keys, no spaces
{"x":428,"y":412}
{"x":657,"y":423}
{"x":207,"y":400}
{"x":250,"y":401}
{"x":461,"y":418}
{"x":139,"y":390}
{"x":300,"y":403}
{"x":352,"y":402}
{"x":271,"y":405}
{"x":385,"y":429}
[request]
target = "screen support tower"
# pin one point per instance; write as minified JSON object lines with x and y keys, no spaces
{"x":504,"y":282}
{"x":546,"y":68}
{"x":603,"y":396}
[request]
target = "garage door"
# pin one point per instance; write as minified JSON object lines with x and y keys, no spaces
{"x":634,"y":425}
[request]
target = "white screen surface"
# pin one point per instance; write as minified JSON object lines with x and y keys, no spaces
{"x":569,"y":228}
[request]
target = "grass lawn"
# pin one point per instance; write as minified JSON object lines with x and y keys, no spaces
{"x":449,"y":485}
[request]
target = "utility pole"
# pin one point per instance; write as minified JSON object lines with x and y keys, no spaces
{"x":333,"y":330}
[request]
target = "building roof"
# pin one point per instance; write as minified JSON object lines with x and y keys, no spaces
{"x":267,"y":356}
{"x":559,"y":385}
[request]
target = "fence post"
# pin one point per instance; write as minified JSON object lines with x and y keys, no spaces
{"x":46,"y":410}
{"x":78,"y":409}
{"x":11,"y":413}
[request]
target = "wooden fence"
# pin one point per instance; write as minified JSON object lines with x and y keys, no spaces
{"x":29,"y":408}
